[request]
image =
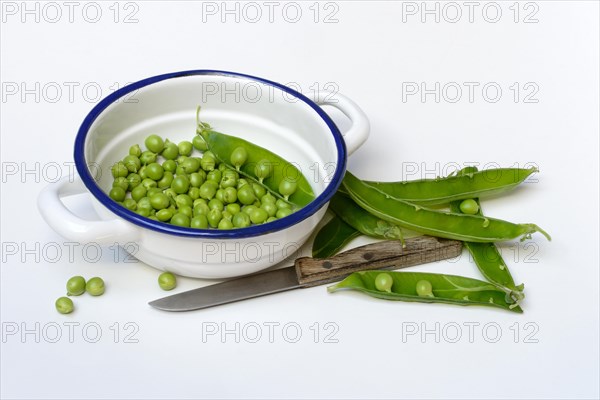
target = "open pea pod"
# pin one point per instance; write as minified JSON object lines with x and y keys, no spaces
{"x":430,"y":192}
{"x":366,"y":223}
{"x":276,"y":169}
{"x":332,"y":237}
{"x":449,"y":289}
{"x":472,"y":228}
{"x":490,"y":263}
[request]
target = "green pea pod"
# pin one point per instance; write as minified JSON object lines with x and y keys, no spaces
{"x":366,"y":223}
{"x":471,"y":228}
{"x":489,"y":261}
{"x":332,"y":237}
{"x":430,"y":192}
{"x":223,"y":146}
{"x":450,"y":289}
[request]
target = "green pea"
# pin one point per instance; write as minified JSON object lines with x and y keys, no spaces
{"x":166,"y":180}
{"x":185,"y":148}
{"x":263,"y":170}
{"x":133,"y":181}
{"x":214,"y":217}
{"x":194,"y":193}
{"x":216,"y":203}
{"x":248,"y":209}
{"x":170,"y":152}
{"x":164,"y":215}
{"x":155,"y":171}
{"x":225,"y":224}
{"x":121,"y":182}
{"x":143,"y":212}
{"x":241,"y":182}
{"x":258,"y":216}
{"x":154,"y":143}
{"x":227,"y":214}
{"x":169,"y":165}
{"x":183,"y":200}
{"x":270,"y":208}
{"x":241,"y":220}
{"x":160,"y":201}
{"x":259,"y":190}
{"x":229,"y":173}
{"x":239,"y":155}
{"x":117,"y":193}
{"x":142,"y":172}
{"x":75,"y":286}
{"x":148,"y":183}
{"x":190,"y":164}
{"x":187,"y":210}
{"x":383,"y":282}
{"x":196,"y":179}
{"x":144,"y":203}
{"x":181,"y":159}
{"x":179,"y":170}
{"x":119,"y":170}
{"x":95,"y":286}
{"x":287,"y":187}
{"x":207,"y":191}
{"x":209,"y":154}
{"x":271,"y":219}
{"x":135,"y":150}
{"x":200,"y":201}
{"x":469,"y":206}
{"x":138,"y":192}
{"x":147,"y":157}
{"x":152,"y":191}
{"x":223,"y":167}
{"x":246,"y":195}
{"x":282,"y":204}
{"x":228,"y":182}
{"x":268,"y":198}
{"x":283,"y":212}
{"x":181,"y":219}
{"x":167,"y":281}
{"x":130,"y":204}
{"x":207,"y":163}
{"x":233,"y":208}
{"x":424,"y":288}
{"x":199,"y":143}
{"x":180,"y":184}
{"x":256,"y":203}
{"x":132,"y":163}
{"x":201,"y":209}
{"x":229,"y":195}
{"x":214,"y":175}
{"x":199,"y":222}
{"x":64,"y":305}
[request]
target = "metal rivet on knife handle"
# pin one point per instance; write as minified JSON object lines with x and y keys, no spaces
{"x":382,"y":255}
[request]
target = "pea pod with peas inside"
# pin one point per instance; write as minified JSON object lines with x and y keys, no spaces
{"x":427,"y":288}
{"x":458,"y":186}
{"x":282,"y":178}
{"x":448,"y":225}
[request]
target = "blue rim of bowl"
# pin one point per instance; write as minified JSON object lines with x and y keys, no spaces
{"x":255,"y":230}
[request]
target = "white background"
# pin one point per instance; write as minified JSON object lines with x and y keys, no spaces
{"x":373,"y":53}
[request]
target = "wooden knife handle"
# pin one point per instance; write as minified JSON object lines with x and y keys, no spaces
{"x":388,"y":254}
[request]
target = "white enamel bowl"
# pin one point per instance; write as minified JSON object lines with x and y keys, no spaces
{"x":263,"y":112}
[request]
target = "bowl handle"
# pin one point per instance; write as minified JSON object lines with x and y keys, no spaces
{"x":359,"y":131}
{"x":67,"y":224}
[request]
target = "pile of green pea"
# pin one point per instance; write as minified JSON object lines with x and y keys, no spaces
{"x":168,"y":183}
{"x":76,"y":286}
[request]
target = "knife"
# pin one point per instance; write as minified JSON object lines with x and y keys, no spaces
{"x":307,"y":272}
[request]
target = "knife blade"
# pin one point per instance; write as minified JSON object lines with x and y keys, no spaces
{"x":308,"y":272}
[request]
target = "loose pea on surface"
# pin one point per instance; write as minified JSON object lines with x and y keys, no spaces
{"x":383,"y":282}
{"x":76,"y":286}
{"x":167,"y":281}
{"x":95,"y":286}
{"x":64,"y":305}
